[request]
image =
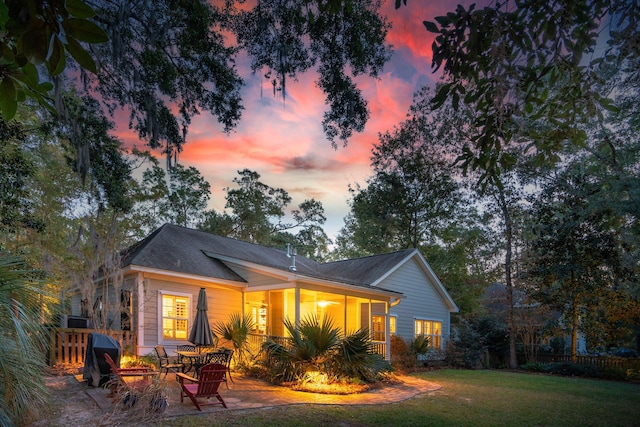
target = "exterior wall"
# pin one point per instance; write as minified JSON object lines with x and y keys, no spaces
{"x":422,"y":300}
{"x":221,"y":301}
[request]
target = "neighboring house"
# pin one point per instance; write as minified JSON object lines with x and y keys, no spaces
{"x":395,"y":293}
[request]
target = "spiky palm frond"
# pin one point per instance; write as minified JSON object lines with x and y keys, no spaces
{"x":22,"y":340}
{"x":322,"y":337}
{"x":420,"y":344}
{"x":236,"y":330}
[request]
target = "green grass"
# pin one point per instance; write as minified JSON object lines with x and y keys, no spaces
{"x":467,"y":398}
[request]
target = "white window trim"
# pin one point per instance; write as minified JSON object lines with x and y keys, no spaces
{"x":161,"y":339}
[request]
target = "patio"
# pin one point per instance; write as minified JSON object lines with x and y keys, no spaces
{"x":250,"y":393}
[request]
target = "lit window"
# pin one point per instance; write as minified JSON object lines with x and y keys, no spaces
{"x":377,"y":324}
{"x":392,"y":325}
{"x":175,"y":317}
{"x":430,"y":329}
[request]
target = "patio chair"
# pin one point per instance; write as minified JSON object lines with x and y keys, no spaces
{"x":223,"y":357}
{"x":204,"y":387}
{"x":120,"y":383}
{"x":181,"y":359}
{"x":165,"y":363}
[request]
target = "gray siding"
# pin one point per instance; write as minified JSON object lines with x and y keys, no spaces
{"x":221,"y":303}
{"x":422,"y":300}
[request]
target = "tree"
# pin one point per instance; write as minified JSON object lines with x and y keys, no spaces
{"x":36,"y":32}
{"x":529,"y":70}
{"x":164,"y":57}
{"x":16,"y":208}
{"x":286,"y":38}
{"x":167,"y":61}
{"x":253,"y":204}
{"x":258,"y":213}
{"x":412,"y":195}
{"x":188,"y":196}
{"x":581,"y":255}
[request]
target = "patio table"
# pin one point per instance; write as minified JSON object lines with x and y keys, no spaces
{"x":197,"y":359}
{"x":193,"y":357}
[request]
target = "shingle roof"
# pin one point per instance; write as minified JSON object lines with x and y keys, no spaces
{"x":366,"y":270}
{"x":185,"y":250}
{"x":177,"y":249}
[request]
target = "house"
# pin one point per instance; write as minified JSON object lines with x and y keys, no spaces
{"x":395,"y":293}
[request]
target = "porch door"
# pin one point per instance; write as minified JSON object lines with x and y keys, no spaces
{"x":375,"y":320}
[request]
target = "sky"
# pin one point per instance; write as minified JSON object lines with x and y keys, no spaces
{"x":284,"y":141}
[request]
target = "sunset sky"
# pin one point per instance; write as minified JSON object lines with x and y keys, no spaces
{"x":284,"y":142}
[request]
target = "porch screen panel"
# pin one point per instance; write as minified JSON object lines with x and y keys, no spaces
{"x":276,"y":303}
{"x":353,"y":318}
{"x":364,"y":315}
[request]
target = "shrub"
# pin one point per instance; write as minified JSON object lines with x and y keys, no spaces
{"x":476,"y":338}
{"x":576,"y":370}
{"x":236,"y":331}
{"x":400,"y":354}
{"x":318,"y":348}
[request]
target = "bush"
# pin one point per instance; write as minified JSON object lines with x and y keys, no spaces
{"x":476,"y":338}
{"x":318,"y":349}
{"x":569,"y":369}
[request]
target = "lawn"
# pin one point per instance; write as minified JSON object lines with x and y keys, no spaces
{"x":467,"y":398}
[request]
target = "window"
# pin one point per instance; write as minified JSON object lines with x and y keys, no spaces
{"x":392,"y":325}
{"x":377,"y":325}
{"x":175,"y":317}
{"x":431,"y":329}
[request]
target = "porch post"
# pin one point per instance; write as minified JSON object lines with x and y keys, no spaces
{"x":140,"y":313}
{"x":387,"y":334}
{"x":297,"y":310}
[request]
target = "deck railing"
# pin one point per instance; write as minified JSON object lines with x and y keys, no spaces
{"x":69,"y":346}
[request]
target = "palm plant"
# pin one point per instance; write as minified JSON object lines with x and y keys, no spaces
{"x":354,"y":356}
{"x":22,"y":340}
{"x":309,"y":349}
{"x":236,"y":331}
{"x":420,"y":345}
{"x":319,"y":346}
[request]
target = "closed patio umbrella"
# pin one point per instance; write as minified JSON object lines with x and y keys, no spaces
{"x":200,"y":334}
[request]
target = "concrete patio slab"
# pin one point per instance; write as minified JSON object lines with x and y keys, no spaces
{"x":250,"y":393}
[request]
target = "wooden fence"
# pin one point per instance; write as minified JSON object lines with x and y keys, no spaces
{"x":69,"y":346}
{"x":622,"y":363}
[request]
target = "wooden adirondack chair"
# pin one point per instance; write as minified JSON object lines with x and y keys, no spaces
{"x":143,"y":375}
{"x":223,"y":357}
{"x":205,"y":386}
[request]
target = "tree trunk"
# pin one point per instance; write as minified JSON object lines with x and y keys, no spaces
{"x":574,"y":330}
{"x":508,"y":233}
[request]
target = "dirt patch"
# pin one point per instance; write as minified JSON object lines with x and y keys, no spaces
{"x":70,"y":404}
